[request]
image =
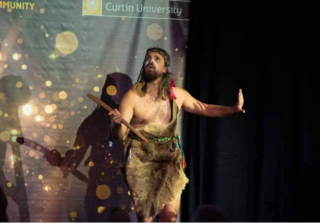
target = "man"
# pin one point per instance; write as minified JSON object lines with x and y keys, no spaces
{"x":154,"y":170}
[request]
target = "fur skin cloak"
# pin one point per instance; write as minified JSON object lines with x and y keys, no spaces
{"x":154,"y":171}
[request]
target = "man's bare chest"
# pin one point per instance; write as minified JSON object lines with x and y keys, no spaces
{"x":150,"y":111}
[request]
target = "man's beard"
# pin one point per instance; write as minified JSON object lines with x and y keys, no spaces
{"x":151,"y":75}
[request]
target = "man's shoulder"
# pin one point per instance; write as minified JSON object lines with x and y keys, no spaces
{"x":130,"y":95}
{"x":179,"y":91}
{"x":131,"y":92}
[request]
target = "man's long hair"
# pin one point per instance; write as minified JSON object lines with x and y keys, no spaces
{"x":141,"y":86}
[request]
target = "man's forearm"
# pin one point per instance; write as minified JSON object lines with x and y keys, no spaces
{"x":219,"y":110}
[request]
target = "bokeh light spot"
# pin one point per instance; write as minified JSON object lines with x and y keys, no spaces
{"x":103,"y":192}
{"x":101,"y":209}
{"x":47,"y":188}
{"x":63,"y":95}
{"x":80,"y":99}
{"x":52,"y":56}
{"x":24,"y":67}
{"x":42,"y":95}
{"x":111,"y":90}
{"x":5,"y":136}
{"x":20,"y":40}
{"x":40,"y":177}
{"x":49,"y":109}
{"x":47,"y":138}
{"x":73,"y":214}
{"x":42,"y":10}
{"x":39,"y":118}
{"x":48,"y":83}
{"x":119,"y":190}
{"x":14,"y":138}
{"x":66,"y":43}
{"x":91,"y":164}
{"x":51,"y":119}
{"x":27,"y":110}
{"x":16,"y":56}
{"x":32,"y":153}
{"x":154,"y":31}
{"x":19,"y":84}
{"x":54,"y":107}
{"x":96,"y":89}
{"x":9,"y":184}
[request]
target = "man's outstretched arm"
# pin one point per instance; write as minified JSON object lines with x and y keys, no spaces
{"x":192,"y":105}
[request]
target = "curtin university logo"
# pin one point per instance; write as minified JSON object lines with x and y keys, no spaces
{"x":92,"y":7}
{"x":147,"y":9}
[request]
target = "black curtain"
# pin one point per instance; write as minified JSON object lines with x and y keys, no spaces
{"x":263,"y":165}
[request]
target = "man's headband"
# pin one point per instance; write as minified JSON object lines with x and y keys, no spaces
{"x":163,"y":53}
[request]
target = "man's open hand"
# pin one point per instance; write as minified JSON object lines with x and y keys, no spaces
{"x":238,"y":107}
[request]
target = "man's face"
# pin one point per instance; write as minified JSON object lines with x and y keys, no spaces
{"x":154,"y":66}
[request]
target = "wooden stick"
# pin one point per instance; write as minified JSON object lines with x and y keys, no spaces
{"x":97,"y":100}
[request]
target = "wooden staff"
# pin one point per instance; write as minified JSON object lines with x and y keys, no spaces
{"x":97,"y":100}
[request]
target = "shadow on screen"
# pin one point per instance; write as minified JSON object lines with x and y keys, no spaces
{"x":106,"y":187}
{"x":14,"y":92}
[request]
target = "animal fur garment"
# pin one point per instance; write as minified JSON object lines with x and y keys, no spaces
{"x":154,"y":170}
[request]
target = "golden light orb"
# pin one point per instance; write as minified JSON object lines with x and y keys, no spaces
{"x":27,"y":110}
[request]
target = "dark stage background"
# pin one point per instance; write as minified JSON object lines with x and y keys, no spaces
{"x":264,"y":165}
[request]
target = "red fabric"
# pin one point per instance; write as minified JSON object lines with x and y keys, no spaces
{"x":171,"y":93}
{"x":172,"y":84}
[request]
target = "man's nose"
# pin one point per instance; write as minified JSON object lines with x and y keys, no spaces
{"x":150,"y":60}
